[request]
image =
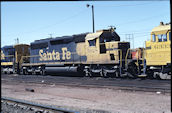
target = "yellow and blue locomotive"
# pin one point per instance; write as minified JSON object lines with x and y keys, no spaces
{"x":99,"y":53}
{"x":7,"y":59}
{"x":11,"y":57}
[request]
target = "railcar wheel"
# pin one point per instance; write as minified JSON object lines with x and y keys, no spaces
{"x":132,"y":70}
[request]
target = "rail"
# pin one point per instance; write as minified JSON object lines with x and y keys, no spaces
{"x":38,"y":108}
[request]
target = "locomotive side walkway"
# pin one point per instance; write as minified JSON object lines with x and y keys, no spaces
{"x":67,"y":92}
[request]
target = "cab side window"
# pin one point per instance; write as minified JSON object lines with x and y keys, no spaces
{"x":92,"y":42}
{"x":159,"y":38}
{"x":164,"y":37}
{"x":153,"y":38}
{"x":170,"y":36}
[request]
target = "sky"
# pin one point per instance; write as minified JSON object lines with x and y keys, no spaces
{"x":29,"y":21}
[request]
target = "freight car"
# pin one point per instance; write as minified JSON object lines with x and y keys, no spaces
{"x":88,"y":54}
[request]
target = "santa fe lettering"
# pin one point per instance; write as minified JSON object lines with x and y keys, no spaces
{"x":45,"y":56}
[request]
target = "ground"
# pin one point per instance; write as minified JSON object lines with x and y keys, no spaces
{"x":89,"y":98}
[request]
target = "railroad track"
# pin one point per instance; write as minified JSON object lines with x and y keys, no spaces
{"x":9,"y":105}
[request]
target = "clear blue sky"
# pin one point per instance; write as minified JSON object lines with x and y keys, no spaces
{"x":31,"y":21}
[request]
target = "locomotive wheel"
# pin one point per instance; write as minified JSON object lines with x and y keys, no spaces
{"x":86,"y":72}
{"x":164,"y":76}
{"x":90,"y":74}
{"x":132,"y":70}
{"x":42,"y":72}
{"x":24,"y":72}
{"x":101,"y":73}
{"x":117,"y":75}
{"x":150,"y":74}
{"x":105,"y":74}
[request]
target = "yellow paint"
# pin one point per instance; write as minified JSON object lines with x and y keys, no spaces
{"x":66,"y":54}
{"x":2,"y":55}
{"x":94,"y":54}
{"x":159,"y":53}
{"x":80,"y":49}
{"x":6,"y":63}
{"x":21,"y":50}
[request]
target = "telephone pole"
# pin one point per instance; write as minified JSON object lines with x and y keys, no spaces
{"x":50,"y":35}
{"x":130,"y":37}
{"x":16,"y":41}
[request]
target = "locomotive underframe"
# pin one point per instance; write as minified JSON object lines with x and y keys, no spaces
{"x":160,"y":72}
{"x":78,"y":69}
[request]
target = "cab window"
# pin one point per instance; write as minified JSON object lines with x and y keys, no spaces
{"x":159,"y":38}
{"x":153,"y":38}
{"x":169,"y":35}
{"x":164,"y":37}
{"x":92,"y":42}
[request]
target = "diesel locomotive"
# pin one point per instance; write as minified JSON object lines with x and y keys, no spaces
{"x":89,"y":54}
{"x":11,"y":57}
{"x":94,"y":54}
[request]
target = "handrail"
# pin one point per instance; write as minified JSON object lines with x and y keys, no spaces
{"x":9,"y":56}
{"x":139,"y":51}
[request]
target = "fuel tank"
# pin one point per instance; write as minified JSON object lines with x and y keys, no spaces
{"x":65,"y":71}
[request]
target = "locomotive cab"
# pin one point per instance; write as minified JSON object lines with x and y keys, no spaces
{"x":105,"y":52}
{"x":104,"y":46}
{"x":158,"y":51}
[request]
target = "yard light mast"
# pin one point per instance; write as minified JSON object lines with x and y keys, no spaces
{"x":92,"y":14}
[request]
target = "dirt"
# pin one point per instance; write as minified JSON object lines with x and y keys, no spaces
{"x":80,"y":98}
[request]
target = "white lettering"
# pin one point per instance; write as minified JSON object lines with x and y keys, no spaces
{"x":44,"y":56}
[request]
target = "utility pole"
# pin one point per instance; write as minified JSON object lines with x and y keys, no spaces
{"x":130,"y":37}
{"x":16,"y":41}
{"x":92,"y":14}
{"x":50,"y":35}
